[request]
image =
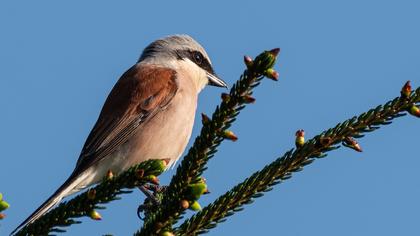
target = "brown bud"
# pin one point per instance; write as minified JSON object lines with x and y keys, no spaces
{"x":227,"y":134}
{"x":248,"y":99}
{"x":275,"y":51}
{"x":352,"y":143}
{"x":248,"y":61}
{"x":2,"y":216}
{"x":91,"y":194}
{"x":140,"y":173}
{"x":166,"y":162}
{"x":406,"y":90}
{"x":300,"y":138}
{"x":109,"y":174}
{"x":184,"y":204}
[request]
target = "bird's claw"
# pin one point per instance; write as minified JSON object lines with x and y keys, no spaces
{"x":153,"y":196}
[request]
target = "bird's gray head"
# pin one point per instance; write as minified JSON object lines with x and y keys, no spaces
{"x":182,"y":48}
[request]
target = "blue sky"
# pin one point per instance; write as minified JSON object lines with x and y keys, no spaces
{"x":338,"y":59}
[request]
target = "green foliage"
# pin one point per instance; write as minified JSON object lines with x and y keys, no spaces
{"x":293,"y":161}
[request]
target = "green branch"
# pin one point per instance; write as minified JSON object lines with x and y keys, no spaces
{"x":294,"y":161}
{"x":212,"y":134}
{"x":86,"y":203}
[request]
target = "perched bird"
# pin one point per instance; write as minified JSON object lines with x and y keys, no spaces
{"x":149,"y":114}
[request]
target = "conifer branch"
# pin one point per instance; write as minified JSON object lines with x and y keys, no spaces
{"x":213,"y":132}
{"x":295,"y":159}
{"x":85,"y":204}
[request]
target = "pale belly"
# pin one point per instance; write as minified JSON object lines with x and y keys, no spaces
{"x":165,"y":136}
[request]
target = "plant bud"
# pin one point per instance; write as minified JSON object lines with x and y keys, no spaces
{"x":414,"y":110}
{"x":152,"y":179}
{"x":197,"y":189}
{"x":160,"y":164}
{"x":272,"y":74}
{"x":91,"y":194}
{"x":195,"y":206}
{"x":184,"y":204}
{"x":140,"y":173}
{"x":227,"y":134}
{"x":266,"y":60}
{"x":300,"y":138}
{"x":166,"y":233}
{"x":275,"y":52}
{"x":94,"y":215}
{"x":248,"y":61}
{"x":3,"y":205}
{"x":248,"y":99}
{"x":109,"y":175}
{"x":406,"y":90}
{"x":352,"y":143}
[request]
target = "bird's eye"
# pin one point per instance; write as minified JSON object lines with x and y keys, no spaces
{"x":198,"y":58}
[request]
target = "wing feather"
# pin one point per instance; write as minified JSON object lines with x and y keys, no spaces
{"x":138,"y":95}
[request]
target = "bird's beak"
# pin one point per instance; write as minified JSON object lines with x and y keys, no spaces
{"x":216,"y":81}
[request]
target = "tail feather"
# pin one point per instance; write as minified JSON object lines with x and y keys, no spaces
{"x":66,"y":189}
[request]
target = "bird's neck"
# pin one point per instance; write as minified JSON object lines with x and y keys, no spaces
{"x":195,"y":74}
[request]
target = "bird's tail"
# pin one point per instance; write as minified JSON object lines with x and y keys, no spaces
{"x":69,"y":187}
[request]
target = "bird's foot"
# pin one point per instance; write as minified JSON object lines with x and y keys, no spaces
{"x":153,"y":199}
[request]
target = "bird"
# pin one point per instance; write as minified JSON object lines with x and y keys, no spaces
{"x":149,"y":114}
